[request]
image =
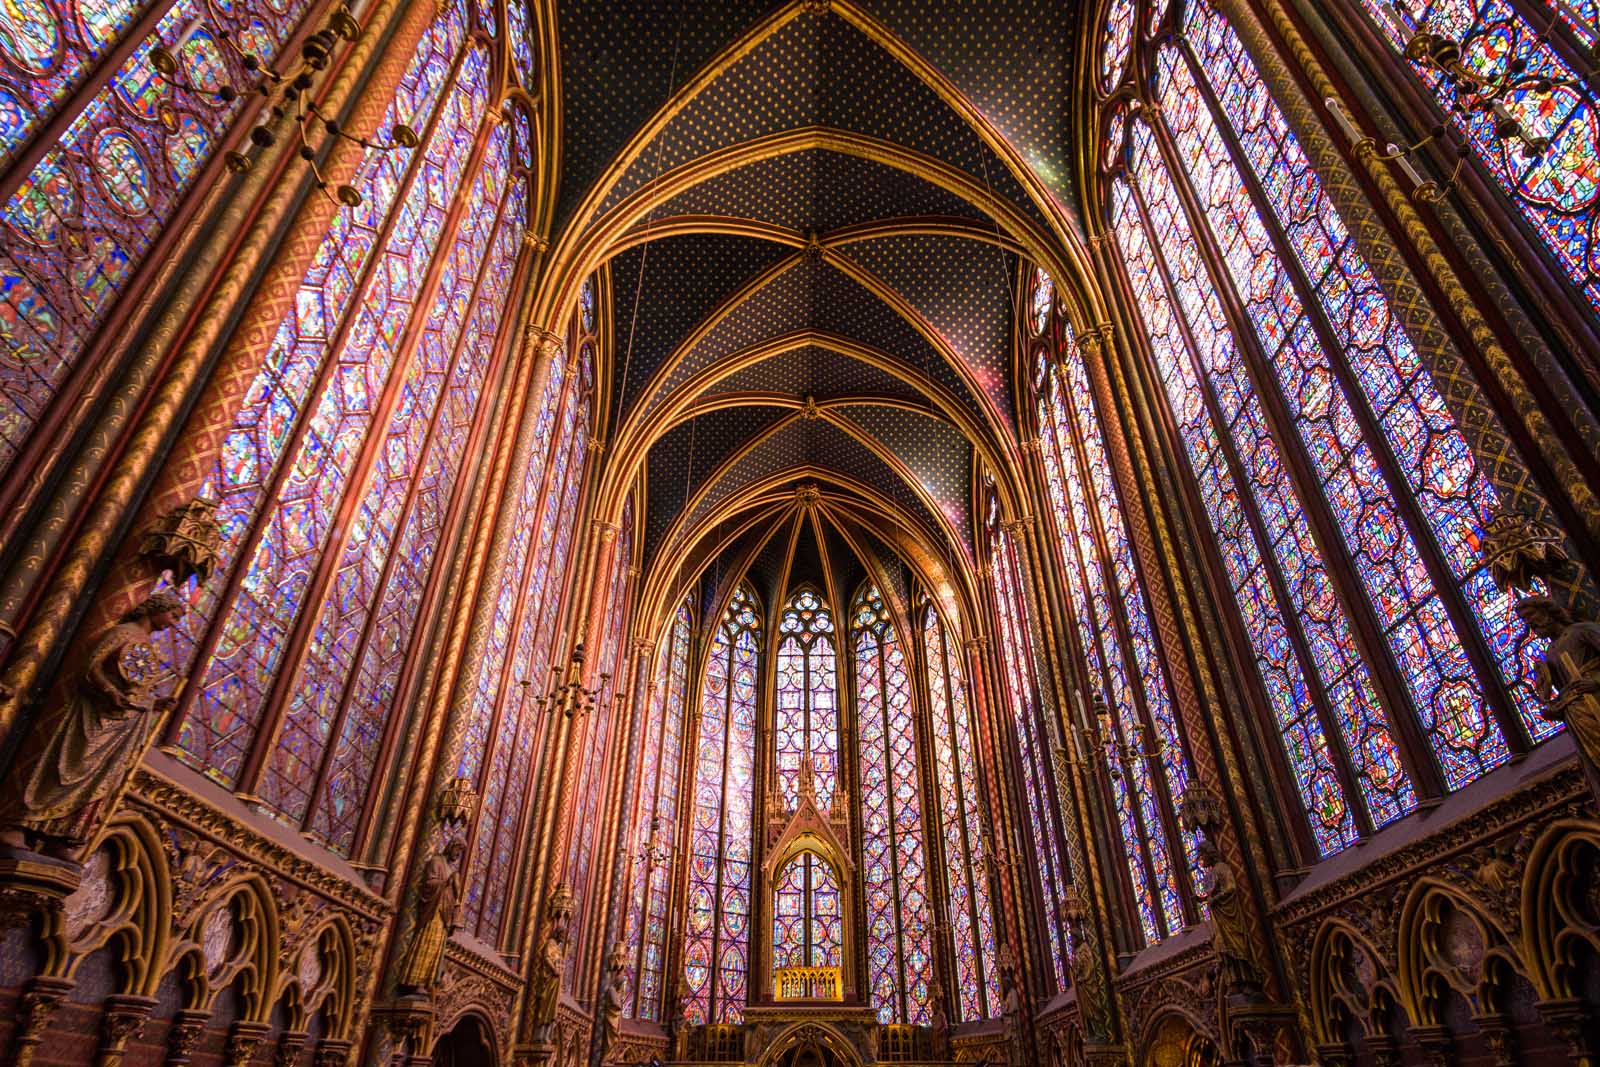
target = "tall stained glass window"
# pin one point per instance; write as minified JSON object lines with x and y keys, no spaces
{"x":655,"y":820}
{"x":893,"y":861}
{"x":1556,"y":189}
{"x":1346,"y":503}
{"x":1033,"y":744}
{"x":1117,"y":641}
{"x":341,"y":474}
{"x":807,"y":699}
{"x":593,"y":736}
{"x":503,"y":727}
{"x":717,"y":927}
{"x":124,"y":149}
{"x":965,"y":848}
{"x":807,"y":924}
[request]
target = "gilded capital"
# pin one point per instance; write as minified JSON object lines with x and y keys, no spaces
{"x":548,"y":343}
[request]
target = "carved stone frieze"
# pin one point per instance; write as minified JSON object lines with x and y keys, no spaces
{"x":209,"y":827}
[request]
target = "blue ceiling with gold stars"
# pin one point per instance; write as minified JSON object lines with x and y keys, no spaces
{"x":813,"y":219}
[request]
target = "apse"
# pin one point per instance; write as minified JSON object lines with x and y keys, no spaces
{"x":800,"y":532}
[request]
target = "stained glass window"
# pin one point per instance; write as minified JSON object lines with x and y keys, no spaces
{"x":807,"y":725}
{"x":1032,"y":743}
{"x":1320,"y":446}
{"x":655,"y":821}
{"x":280,"y":441}
{"x":504,"y":727}
{"x":120,"y":160}
{"x":807,"y":927}
{"x":1556,"y":190}
{"x":717,"y":927}
{"x":593,"y":735}
{"x":1114,"y":632}
{"x":341,"y":473}
{"x":893,"y":862}
{"x":966,"y":850}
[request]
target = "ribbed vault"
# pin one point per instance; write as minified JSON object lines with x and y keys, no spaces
{"x":811,"y":221}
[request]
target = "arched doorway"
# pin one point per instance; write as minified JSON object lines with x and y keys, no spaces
{"x":468,"y":1044}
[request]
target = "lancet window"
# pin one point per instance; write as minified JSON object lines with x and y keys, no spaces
{"x":966,"y":847}
{"x":1344,"y":498}
{"x":342,"y":471}
{"x":1033,"y":742}
{"x":807,"y":723}
{"x":717,"y":926}
{"x":655,"y":820}
{"x":807,"y":919}
{"x":899,"y":917}
{"x":504,"y":726}
{"x":1550,"y":171}
{"x":594,"y":734}
{"x":122,"y":148}
{"x":1122,"y":661}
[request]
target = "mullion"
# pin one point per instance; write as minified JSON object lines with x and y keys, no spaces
{"x":1226,"y":453}
{"x":1445,"y":583}
{"x":1141,"y":846}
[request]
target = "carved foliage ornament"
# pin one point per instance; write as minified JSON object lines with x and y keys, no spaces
{"x":186,"y":541}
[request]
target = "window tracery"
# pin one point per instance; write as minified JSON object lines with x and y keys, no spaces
{"x":1016,"y":658}
{"x":655,"y":820}
{"x":342,"y":471}
{"x":893,"y":860}
{"x":807,"y":718}
{"x":1119,"y":650}
{"x":1331,"y":471}
{"x":717,"y":928}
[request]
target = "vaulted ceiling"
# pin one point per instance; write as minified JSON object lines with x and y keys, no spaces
{"x":813,"y":219}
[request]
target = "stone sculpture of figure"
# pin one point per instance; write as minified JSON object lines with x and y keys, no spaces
{"x":614,"y":994}
{"x":1011,"y":1012}
{"x":547,"y":970}
{"x":81,"y":748}
{"x":438,"y":901}
{"x":1568,"y":677}
{"x":1230,"y":921}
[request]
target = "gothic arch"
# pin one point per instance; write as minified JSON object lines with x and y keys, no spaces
{"x":1557,"y":911}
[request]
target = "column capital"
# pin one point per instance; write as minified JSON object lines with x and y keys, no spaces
{"x":547,"y":342}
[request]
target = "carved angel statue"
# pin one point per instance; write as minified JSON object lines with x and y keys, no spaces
{"x":1567,"y":678}
{"x":438,"y":901}
{"x":85,"y":742}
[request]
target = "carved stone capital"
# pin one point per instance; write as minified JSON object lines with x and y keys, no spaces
{"x":34,"y":1009}
{"x":33,"y":885}
{"x":244,"y":1041}
{"x":331,"y":1052}
{"x":1021,"y":523}
{"x":1569,"y":1021}
{"x":290,"y":1044}
{"x":187,"y":541}
{"x":547,"y":343}
{"x":123,"y":1021}
{"x":183,"y":1037}
{"x":539,"y":245}
{"x":1521,"y":550}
